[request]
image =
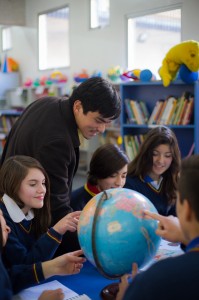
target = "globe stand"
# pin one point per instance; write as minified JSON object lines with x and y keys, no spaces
{"x":110,"y":291}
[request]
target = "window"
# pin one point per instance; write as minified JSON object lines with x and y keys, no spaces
{"x":150,"y":37}
{"x":53,"y":29}
{"x":6,"y":39}
{"x":99,"y":13}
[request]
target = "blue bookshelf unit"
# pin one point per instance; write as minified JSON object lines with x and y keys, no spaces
{"x":150,"y":93}
{"x":7,"y":119}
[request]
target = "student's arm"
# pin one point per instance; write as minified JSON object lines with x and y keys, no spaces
{"x":24,"y":276}
{"x":168,"y":227}
{"x":124,"y":282}
{"x":22,"y":248}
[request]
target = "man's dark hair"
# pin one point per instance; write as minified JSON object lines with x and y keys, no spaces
{"x":98,"y":95}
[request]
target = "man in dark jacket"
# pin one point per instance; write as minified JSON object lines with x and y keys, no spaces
{"x":48,"y":131}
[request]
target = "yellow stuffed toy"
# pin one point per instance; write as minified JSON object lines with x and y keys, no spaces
{"x":186,"y":53}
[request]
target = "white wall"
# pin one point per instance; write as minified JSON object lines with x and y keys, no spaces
{"x":94,"y":49}
{"x":12,"y":12}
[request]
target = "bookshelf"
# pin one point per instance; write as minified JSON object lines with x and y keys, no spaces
{"x":7,"y":119}
{"x":150,"y":93}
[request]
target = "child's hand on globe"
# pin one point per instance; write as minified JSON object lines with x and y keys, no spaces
{"x":124,"y":282}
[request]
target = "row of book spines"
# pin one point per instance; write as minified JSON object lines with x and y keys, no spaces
{"x":137,"y":111}
{"x":6,"y":123}
{"x":169,"y":112}
{"x":132,"y":144}
{"x":172,"y":111}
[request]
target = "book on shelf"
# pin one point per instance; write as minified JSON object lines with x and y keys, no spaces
{"x":159,"y":111}
{"x":189,"y":112}
{"x":179,"y":109}
{"x":154,"y":112}
{"x":129,"y":111}
{"x":172,"y":111}
{"x":128,"y":147}
{"x":132,"y":144}
{"x":144,"y":110}
{"x":182,"y":112}
{"x":33,"y":293}
{"x":171,"y":103}
{"x":136,"y":113}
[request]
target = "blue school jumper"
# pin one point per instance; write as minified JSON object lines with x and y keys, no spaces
{"x":5,"y":285}
{"x":155,"y":195}
{"x":169,"y":279}
{"x":22,"y":247}
{"x":17,"y":278}
{"x":81,"y":196}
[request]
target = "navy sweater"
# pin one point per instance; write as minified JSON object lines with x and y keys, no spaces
{"x":155,"y":196}
{"x":23,"y":248}
{"x":169,"y":279}
{"x":22,"y":276}
{"x":81,"y":196}
{"x":5,"y":285}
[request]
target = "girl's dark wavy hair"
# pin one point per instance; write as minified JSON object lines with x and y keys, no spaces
{"x":143,"y":162}
{"x":106,"y":160}
{"x":12,"y":173}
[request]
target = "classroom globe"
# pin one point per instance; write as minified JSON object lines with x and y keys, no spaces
{"x":113,"y":232}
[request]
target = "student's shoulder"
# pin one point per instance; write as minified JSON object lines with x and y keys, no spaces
{"x":78,"y":191}
{"x":131,"y":181}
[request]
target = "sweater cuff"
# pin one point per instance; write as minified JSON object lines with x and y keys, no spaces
{"x":54,"y":235}
{"x":38,"y":272}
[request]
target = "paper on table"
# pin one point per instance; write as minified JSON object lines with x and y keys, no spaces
{"x":33,"y":293}
{"x":166,"y":249}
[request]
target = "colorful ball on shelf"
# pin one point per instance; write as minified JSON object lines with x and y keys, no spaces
{"x":113,"y":232}
{"x":146,"y":75}
{"x":186,"y":75}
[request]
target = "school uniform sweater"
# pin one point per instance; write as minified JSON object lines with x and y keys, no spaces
{"x":168,"y":279}
{"x":47,"y":131}
{"x":81,"y":196}
{"x":18,"y":278}
{"x":5,"y":285}
{"x":154,"y":195}
{"x":24,"y":276}
{"x":22,"y":247}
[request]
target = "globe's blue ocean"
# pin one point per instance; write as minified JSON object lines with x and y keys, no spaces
{"x":113,"y":232}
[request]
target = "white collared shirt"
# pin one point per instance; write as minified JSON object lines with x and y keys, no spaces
{"x":156,"y":184}
{"x":16,"y":213}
